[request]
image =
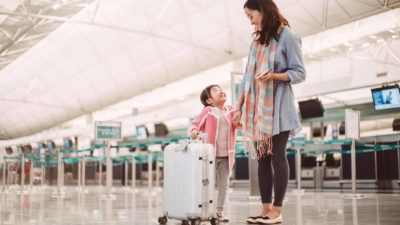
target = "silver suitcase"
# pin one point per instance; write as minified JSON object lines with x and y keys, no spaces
{"x":189,"y":183}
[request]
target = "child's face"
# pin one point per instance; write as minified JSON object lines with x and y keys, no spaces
{"x":218,"y":96}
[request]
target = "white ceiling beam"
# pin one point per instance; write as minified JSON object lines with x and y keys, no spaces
{"x":9,"y":52}
{"x":145,"y":33}
{"x":32,"y":83}
{"x":34,"y":103}
{"x":375,"y":4}
{"x":24,"y":10}
{"x":197,"y":61}
{"x":7,"y":34}
{"x":17,"y":33}
{"x":343,"y":8}
{"x":325,"y":9}
{"x":33,"y":37}
{"x":162,"y":12}
{"x":96,"y":7}
{"x":386,"y":4}
{"x":309,"y":13}
{"x":5,"y":62}
{"x":355,"y":31}
{"x":392,"y":53}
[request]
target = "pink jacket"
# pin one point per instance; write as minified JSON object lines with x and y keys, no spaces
{"x":207,"y":122}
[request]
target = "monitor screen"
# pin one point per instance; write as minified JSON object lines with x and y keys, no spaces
{"x":311,"y":108}
{"x":386,"y":97}
{"x":67,"y":143}
{"x":51,"y":145}
{"x":160,"y":129}
{"x":141,"y":133}
{"x":9,"y":150}
{"x":26,"y":149}
{"x":42,"y":145}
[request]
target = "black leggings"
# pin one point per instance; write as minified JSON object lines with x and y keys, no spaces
{"x":277,"y":177}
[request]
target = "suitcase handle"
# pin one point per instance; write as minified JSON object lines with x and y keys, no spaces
{"x":201,"y":138}
{"x":184,"y":147}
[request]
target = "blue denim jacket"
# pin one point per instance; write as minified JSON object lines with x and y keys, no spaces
{"x":288,"y":59}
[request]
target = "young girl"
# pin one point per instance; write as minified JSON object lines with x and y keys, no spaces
{"x":216,"y":120}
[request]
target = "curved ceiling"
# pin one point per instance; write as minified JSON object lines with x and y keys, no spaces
{"x":114,"y":50}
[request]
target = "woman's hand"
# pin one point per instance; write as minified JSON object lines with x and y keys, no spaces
{"x":236,"y":117}
{"x":267,"y":76}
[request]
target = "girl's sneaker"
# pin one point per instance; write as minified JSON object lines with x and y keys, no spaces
{"x":222,"y":217}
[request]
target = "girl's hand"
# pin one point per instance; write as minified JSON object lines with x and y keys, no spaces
{"x":194,"y":133}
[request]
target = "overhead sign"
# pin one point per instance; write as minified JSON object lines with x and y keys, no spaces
{"x":109,"y":130}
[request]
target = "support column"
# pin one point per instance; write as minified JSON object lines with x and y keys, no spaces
{"x":4,"y":188}
{"x":22,"y":173}
{"x":126,"y":174}
{"x":133,"y":173}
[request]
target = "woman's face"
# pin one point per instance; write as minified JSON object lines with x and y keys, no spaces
{"x":255,"y":17}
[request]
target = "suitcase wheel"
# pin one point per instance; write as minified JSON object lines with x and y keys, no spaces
{"x":162,"y":220}
{"x":195,"y":222}
{"x":214,"y":221}
{"x":185,"y":222}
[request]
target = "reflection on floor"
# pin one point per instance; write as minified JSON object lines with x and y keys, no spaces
{"x":142,"y":208}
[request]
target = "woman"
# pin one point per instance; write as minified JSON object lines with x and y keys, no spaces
{"x":266,"y":102}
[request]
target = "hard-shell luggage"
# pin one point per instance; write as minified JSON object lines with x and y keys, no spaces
{"x":189,"y":183}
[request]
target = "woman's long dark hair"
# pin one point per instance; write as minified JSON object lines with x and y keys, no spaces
{"x":271,"y":22}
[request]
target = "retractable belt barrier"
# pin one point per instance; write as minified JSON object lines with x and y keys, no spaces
{"x":302,"y":144}
{"x":45,"y":158}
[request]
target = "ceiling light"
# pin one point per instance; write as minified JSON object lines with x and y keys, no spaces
{"x":373,"y":36}
{"x":392,"y":31}
{"x":56,"y":6}
{"x":181,"y":98}
{"x":348,"y":44}
{"x":365,"y":45}
{"x":380,"y":40}
{"x":395,"y":36}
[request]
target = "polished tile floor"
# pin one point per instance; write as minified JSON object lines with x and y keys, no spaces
{"x":142,"y":208}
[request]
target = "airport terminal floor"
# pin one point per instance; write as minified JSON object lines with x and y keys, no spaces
{"x":144,"y":208}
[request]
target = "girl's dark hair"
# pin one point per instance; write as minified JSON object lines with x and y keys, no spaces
{"x":271,"y":22}
{"x":206,"y":94}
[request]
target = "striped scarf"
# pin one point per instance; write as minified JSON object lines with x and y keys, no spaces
{"x":258,"y":104}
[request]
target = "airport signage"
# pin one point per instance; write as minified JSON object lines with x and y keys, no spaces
{"x":108,"y":131}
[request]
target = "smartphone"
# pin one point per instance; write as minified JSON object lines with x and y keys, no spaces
{"x":258,"y":76}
